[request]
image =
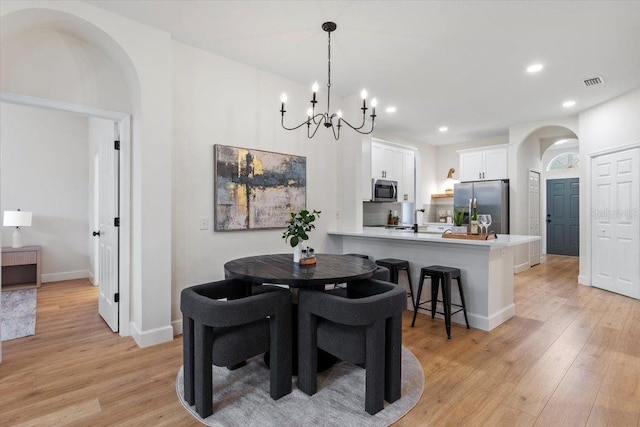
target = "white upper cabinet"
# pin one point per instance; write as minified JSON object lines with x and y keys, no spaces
{"x":392,"y":163}
{"x":478,"y":164}
{"x":382,"y":161}
{"x":407,"y":185}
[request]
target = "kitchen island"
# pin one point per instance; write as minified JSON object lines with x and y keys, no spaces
{"x":487,"y":266}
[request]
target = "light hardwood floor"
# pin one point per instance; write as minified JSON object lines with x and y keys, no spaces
{"x":571,"y":356}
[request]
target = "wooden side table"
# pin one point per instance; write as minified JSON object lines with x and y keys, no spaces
{"x":21,"y":267}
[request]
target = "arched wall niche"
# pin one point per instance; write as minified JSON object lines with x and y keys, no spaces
{"x":54,"y":55}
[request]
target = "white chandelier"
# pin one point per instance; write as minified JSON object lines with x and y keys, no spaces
{"x":328,"y":118}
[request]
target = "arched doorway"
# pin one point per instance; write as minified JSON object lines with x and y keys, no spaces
{"x":55,"y":60}
{"x":529,"y":216}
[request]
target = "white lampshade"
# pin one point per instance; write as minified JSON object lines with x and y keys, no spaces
{"x":17,"y":219}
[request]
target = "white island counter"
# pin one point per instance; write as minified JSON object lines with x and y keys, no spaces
{"x":486,"y":266}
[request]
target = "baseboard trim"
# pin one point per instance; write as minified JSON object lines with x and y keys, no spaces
{"x":520,"y":268}
{"x":92,"y":278}
{"x":583,"y":280}
{"x":151,"y":337}
{"x":177,"y":327}
{"x":65,"y":275}
{"x":488,"y":323}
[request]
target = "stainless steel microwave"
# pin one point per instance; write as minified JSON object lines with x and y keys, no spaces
{"x":383,"y":190}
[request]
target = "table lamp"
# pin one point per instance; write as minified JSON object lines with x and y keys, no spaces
{"x":17,"y":219}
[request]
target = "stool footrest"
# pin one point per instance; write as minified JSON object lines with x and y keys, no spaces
{"x":428,"y":309}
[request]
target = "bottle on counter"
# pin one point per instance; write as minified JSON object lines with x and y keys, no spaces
{"x":390,"y":219}
{"x":474,"y":218}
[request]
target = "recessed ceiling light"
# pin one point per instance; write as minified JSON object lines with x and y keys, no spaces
{"x":568,"y":104}
{"x":391,"y":109}
{"x":534,"y":68}
{"x":443,"y":129}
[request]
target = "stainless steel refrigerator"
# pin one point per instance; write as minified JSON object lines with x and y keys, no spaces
{"x":492,"y":197}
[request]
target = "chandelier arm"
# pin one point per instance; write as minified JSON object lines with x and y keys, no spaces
{"x":333,"y":129}
{"x":294,"y":128}
{"x":357,"y":129}
{"x":311,"y":135}
{"x":316,"y":115}
{"x":364,"y":120}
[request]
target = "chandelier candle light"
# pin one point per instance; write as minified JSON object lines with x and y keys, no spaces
{"x":327,"y":118}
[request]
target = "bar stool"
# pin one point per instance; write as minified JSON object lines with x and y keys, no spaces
{"x":395,"y":266}
{"x":441,"y":275}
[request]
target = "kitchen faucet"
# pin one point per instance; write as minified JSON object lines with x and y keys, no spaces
{"x":415,"y":219}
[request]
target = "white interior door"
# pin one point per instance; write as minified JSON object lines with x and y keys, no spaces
{"x":109,"y":234}
{"x":534,"y":217}
{"x":615,"y":229}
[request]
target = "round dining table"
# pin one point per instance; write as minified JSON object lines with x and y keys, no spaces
{"x":280,"y":269}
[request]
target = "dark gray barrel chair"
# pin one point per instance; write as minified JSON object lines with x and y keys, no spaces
{"x":227,"y":333}
{"x":362,"y":324}
{"x":381,"y":273}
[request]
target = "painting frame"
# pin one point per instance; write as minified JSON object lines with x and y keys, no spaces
{"x":256,"y":189}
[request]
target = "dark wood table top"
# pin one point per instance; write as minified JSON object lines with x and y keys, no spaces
{"x":281,"y":269}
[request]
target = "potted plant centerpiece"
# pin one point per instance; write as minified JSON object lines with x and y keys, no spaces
{"x":298,"y":228}
{"x":458,"y":219}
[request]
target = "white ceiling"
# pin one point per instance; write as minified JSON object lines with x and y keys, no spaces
{"x":460,"y":64}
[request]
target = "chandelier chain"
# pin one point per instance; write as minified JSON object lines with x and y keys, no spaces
{"x":329,"y":72}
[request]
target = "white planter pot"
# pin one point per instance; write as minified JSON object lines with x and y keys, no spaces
{"x":297,"y":253}
{"x":459,"y":229}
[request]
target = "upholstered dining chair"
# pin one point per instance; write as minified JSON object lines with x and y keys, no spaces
{"x":227,"y":322}
{"x":360,"y":325}
{"x":380,"y":273}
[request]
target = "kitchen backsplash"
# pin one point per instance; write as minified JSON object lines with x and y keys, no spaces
{"x":377,"y":213}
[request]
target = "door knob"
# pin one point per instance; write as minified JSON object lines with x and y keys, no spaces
{"x":548,"y":220}
{"x":96,"y":233}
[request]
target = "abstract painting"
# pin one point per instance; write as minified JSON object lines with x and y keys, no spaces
{"x":256,"y":189}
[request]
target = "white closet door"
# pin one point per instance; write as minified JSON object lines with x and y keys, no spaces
{"x":534,"y":217}
{"x":108,"y":256}
{"x":615,"y":228}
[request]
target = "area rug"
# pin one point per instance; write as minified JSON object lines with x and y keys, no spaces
{"x":18,"y":313}
{"x":241,"y":397}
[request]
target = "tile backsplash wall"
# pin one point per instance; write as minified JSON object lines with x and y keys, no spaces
{"x":377,"y":213}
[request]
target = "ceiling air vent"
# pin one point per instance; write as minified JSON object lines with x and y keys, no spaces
{"x":593,"y":81}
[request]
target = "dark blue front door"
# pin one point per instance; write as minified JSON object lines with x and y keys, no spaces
{"x":563,"y":219}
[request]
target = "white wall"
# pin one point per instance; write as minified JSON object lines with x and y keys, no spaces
{"x":218,"y":101}
{"x":44,"y":170}
{"x":615,"y":123}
